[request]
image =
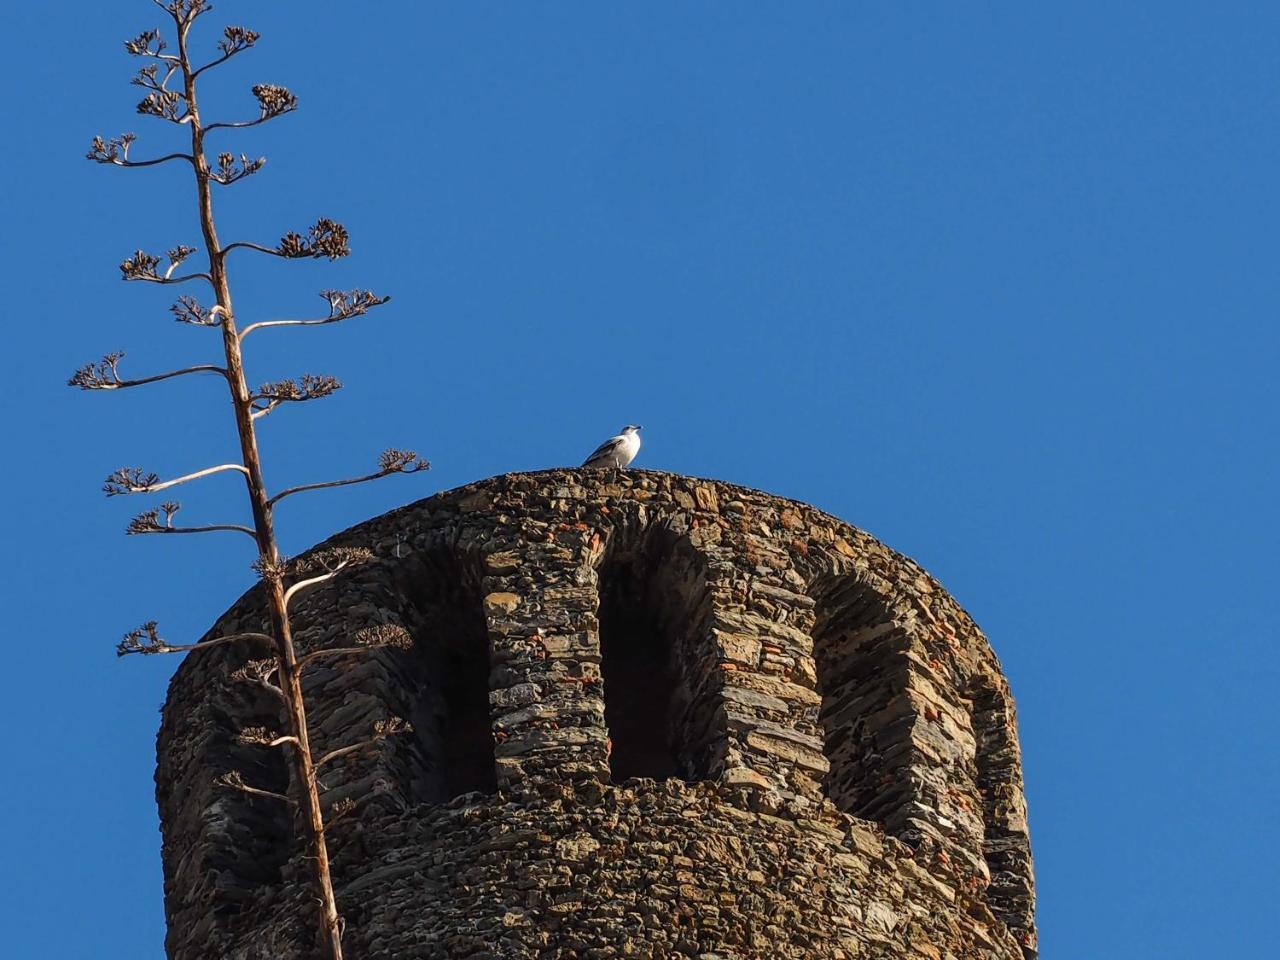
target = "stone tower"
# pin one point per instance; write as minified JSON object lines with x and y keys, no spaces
{"x":651,"y":716}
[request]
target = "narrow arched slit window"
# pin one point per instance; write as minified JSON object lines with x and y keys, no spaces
{"x":1006,"y":845}
{"x":863,"y":672}
{"x":244,"y":861}
{"x":652,"y":608}
{"x":447,"y":681}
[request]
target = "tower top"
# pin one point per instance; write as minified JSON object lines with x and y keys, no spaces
{"x":648,"y":715}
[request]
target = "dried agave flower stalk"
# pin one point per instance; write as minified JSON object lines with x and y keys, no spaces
{"x":169,"y":78}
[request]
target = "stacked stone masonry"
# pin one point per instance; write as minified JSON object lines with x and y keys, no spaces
{"x":649,"y":716}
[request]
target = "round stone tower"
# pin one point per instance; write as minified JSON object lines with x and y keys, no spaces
{"x":644,"y":715}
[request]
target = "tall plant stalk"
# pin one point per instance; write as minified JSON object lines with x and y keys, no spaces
{"x":282,"y":580}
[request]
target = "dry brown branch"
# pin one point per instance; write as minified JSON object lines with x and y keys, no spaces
{"x":186,"y":309}
{"x":381,"y":730}
{"x":149,"y":521}
{"x":134,"y":480}
{"x":308,"y":659}
{"x":115,"y":151}
{"x":332,"y":561}
{"x":147,"y":640}
{"x":343,"y":305}
{"x":164,"y":105}
{"x":390,"y":462}
{"x":104,"y":374}
{"x":261,"y":736}
{"x":271,"y":570}
{"x":129,"y":480}
{"x":235,"y":781}
{"x":325,"y":238}
{"x":234,"y":40}
{"x":384,"y":635}
{"x":184,"y":12}
{"x":149,"y":78}
{"x":145,"y":266}
{"x":149,"y":44}
{"x":379,"y":637}
{"x":230,"y":169}
{"x":257,"y":673}
{"x":255,"y":735}
{"x":309,"y":386}
{"x":273,"y":101}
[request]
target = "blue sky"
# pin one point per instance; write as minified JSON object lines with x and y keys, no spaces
{"x":996,"y":283}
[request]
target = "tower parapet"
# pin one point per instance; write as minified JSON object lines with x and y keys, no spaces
{"x":649,"y":715}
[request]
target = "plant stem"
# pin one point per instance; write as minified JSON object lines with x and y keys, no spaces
{"x":311,"y":817}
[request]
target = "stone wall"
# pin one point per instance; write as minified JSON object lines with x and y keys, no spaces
{"x":834,"y":742}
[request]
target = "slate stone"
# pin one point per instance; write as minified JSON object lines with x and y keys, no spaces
{"x":834,"y":744}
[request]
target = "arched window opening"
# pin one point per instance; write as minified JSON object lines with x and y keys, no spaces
{"x":251,"y":856}
{"x":451,"y":751}
{"x":866,"y":718}
{"x":1005,"y":843}
{"x":467,"y":734}
{"x":652,"y":608}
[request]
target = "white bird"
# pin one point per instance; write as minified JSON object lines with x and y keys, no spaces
{"x":617,"y":451}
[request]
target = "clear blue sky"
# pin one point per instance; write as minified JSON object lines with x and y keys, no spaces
{"x":997,"y":284}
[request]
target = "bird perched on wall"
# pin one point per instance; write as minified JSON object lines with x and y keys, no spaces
{"x":617,"y":451}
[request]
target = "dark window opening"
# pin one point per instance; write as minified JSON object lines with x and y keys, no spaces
{"x":262,"y":843}
{"x":862,"y":675}
{"x":638,"y":682}
{"x":451,"y":752}
{"x":467,"y":762}
{"x":1005,"y":844}
{"x":653,"y":617}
